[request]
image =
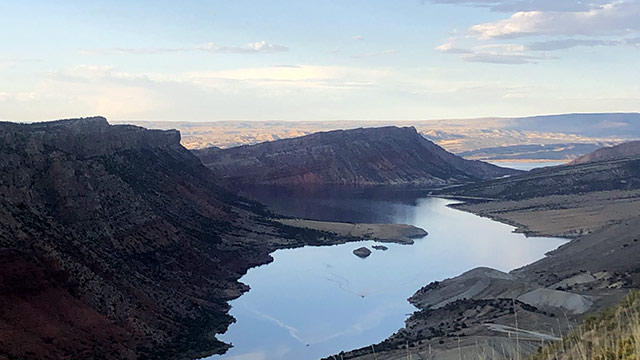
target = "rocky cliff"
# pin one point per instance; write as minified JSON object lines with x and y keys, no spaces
{"x":116,"y":242}
{"x":365,"y":156}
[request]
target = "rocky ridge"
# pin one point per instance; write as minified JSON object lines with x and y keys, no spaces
{"x":365,"y":156}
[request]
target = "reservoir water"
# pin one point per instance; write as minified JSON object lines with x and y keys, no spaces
{"x":313,"y":302}
{"x":525,"y":165}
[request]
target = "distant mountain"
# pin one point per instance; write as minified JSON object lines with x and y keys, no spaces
{"x":455,"y":135}
{"x":364,"y":156}
{"x":117,"y":243}
{"x":532,"y":152}
{"x":626,"y":125}
{"x":624,"y":150}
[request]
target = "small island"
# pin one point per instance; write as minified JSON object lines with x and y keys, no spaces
{"x":362,"y":252}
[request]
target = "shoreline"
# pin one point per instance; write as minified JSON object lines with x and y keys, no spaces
{"x":343,"y":230}
{"x":383,"y":233}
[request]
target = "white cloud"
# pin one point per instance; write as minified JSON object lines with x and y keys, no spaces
{"x":450,"y":48}
{"x":512,"y":54}
{"x":373,"y":54}
{"x":503,"y":48}
{"x":118,"y":94}
{"x":619,"y":17}
{"x":280,"y":77}
{"x":299,"y":76}
{"x":551,"y":45}
{"x":256,"y":47}
{"x":21,"y":96}
{"x":497,"y":58}
{"x":309,"y":92}
{"x":358,"y":37}
{"x":25,"y":96}
{"x":595,"y":23}
{"x":260,"y":93}
{"x":259,"y":47}
{"x":528,"y":5}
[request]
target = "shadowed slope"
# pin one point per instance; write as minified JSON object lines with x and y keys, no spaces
{"x":116,"y":242}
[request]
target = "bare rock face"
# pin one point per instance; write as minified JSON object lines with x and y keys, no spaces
{"x":373,"y":156}
{"x":86,"y":137}
{"x":116,"y":242}
{"x":380,"y":247}
{"x":362,"y":252}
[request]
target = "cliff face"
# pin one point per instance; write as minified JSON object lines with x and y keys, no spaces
{"x":115,"y":242}
{"x":87,"y":137}
{"x":372,"y":156}
{"x":628,"y":149}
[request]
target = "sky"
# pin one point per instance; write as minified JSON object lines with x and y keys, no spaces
{"x":317,"y":60}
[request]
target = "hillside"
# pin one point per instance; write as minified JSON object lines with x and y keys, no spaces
{"x":628,"y":149}
{"x":115,"y":242}
{"x":371,"y":156}
{"x":621,"y":174}
{"x":555,"y":152}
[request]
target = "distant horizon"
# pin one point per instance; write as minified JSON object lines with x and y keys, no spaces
{"x":387,"y":120}
{"x":120,"y":121}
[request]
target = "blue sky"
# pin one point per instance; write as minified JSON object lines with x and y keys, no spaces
{"x":317,"y":60}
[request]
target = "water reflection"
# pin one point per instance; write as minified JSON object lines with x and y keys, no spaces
{"x":316,"y":301}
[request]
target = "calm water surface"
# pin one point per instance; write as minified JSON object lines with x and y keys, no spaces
{"x":527,"y":165}
{"x":317,"y":301}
